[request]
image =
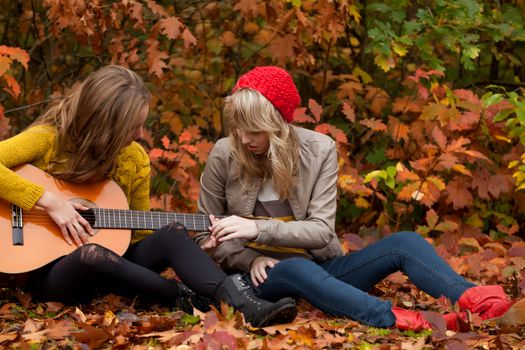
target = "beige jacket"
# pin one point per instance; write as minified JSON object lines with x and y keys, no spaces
{"x":313,"y":202}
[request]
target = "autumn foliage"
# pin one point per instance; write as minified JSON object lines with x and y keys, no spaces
{"x":424,"y":98}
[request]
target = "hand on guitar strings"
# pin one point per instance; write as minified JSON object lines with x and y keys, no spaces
{"x":232,"y":227}
{"x":64,"y":213}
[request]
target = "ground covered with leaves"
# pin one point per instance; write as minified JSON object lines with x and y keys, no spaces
{"x":115,"y":322}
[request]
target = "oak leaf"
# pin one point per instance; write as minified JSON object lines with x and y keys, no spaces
{"x":349,"y":112}
{"x":336,"y":133}
{"x":398,"y":130}
{"x":156,"y":9}
{"x":282,"y":48}
{"x":166,"y":142}
{"x":404,"y":175}
{"x":170,"y":27}
{"x":407,"y":104}
{"x":349,"y":89}
{"x":189,"y":39}
{"x":457,"y":145}
{"x":15,"y":53}
{"x":5,"y":63}
{"x":467,"y":120}
{"x":447,"y":160}
{"x":431,"y":193}
{"x":300,"y":116}
{"x":59,"y":329}
{"x":385,"y":62}
{"x":422,"y":164}
{"x":92,"y":336}
{"x":406,"y":192}
{"x":458,"y":193}
{"x":439,"y":137}
{"x":155,"y":58}
{"x":432,"y":218}
{"x":374,"y":124}
{"x":377,"y":99}
{"x":315,"y":108}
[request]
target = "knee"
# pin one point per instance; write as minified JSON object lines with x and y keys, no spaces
{"x":407,"y":240}
{"x":174,"y":231}
{"x":93,"y":255}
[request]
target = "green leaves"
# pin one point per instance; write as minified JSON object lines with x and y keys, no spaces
{"x":443,"y":31}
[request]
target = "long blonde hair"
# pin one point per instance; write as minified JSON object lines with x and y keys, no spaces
{"x":95,"y":122}
{"x":250,"y":111}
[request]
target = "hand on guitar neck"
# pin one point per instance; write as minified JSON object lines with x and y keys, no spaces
{"x":64,"y":213}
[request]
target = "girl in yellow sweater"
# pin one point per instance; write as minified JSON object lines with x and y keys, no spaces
{"x":89,"y":136}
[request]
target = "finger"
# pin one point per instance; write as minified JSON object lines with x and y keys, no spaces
{"x":271,"y":264}
{"x":79,"y":206}
{"x":231,"y":236}
{"x":260,"y":276}
{"x":65,"y":234}
{"x":263,"y":273}
{"x":222,"y":232}
{"x":212,"y":221}
{"x":73,"y":232}
{"x":86,"y":226}
{"x":209,"y":243}
{"x":254,"y":278}
{"x":84,"y":237}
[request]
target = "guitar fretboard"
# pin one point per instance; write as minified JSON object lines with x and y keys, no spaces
{"x":147,"y":220}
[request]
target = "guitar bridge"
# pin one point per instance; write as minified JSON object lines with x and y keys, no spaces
{"x":18,"y":225}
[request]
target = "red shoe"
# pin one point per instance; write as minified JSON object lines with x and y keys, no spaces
{"x":407,"y":320}
{"x":491,"y":302}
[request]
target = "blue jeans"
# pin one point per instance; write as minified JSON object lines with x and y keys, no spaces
{"x":339,"y":286}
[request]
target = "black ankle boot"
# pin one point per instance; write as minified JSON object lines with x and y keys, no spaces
{"x":188,"y":299}
{"x":236,"y":292}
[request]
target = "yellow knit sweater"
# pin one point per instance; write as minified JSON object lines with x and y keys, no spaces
{"x":36,"y":146}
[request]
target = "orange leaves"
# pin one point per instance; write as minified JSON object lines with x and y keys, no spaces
{"x":7,"y":56}
{"x":282,"y":48}
{"x":138,"y":32}
{"x":315,"y":108}
{"x":10,"y":54}
{"x":171,"y":27}
{"x":374,"y":124}
{"x":336,"y":133}
{"x":182,"y":159}
{"x":458,"y":194}
{"x":156,"y":58}
{"x":349,"y":112}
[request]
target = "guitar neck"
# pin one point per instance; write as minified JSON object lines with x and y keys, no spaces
{"x":145,"y":220}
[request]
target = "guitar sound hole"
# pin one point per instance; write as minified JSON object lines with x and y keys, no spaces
{"x":89,"y":214}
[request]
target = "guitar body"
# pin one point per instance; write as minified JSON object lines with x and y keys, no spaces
{"x":42,"y":240}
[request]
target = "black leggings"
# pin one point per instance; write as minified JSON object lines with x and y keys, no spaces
{"x":92,"y":270}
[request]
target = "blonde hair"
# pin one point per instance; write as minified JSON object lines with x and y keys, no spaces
{"x":250,"y":111}
{"x":95,"y":122}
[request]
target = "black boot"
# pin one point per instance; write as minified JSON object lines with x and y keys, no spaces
{"x":188,"y":299}
{"x":236,"y":292}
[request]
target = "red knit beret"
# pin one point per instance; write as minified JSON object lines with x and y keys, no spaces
{"x":276,"y":85}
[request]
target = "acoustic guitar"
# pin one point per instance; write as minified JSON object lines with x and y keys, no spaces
{"x":31,"y":239}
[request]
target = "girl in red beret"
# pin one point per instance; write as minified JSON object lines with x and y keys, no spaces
{"x":269,"y":167}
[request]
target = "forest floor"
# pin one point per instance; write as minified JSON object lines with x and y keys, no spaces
{"x":114,"y":322}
